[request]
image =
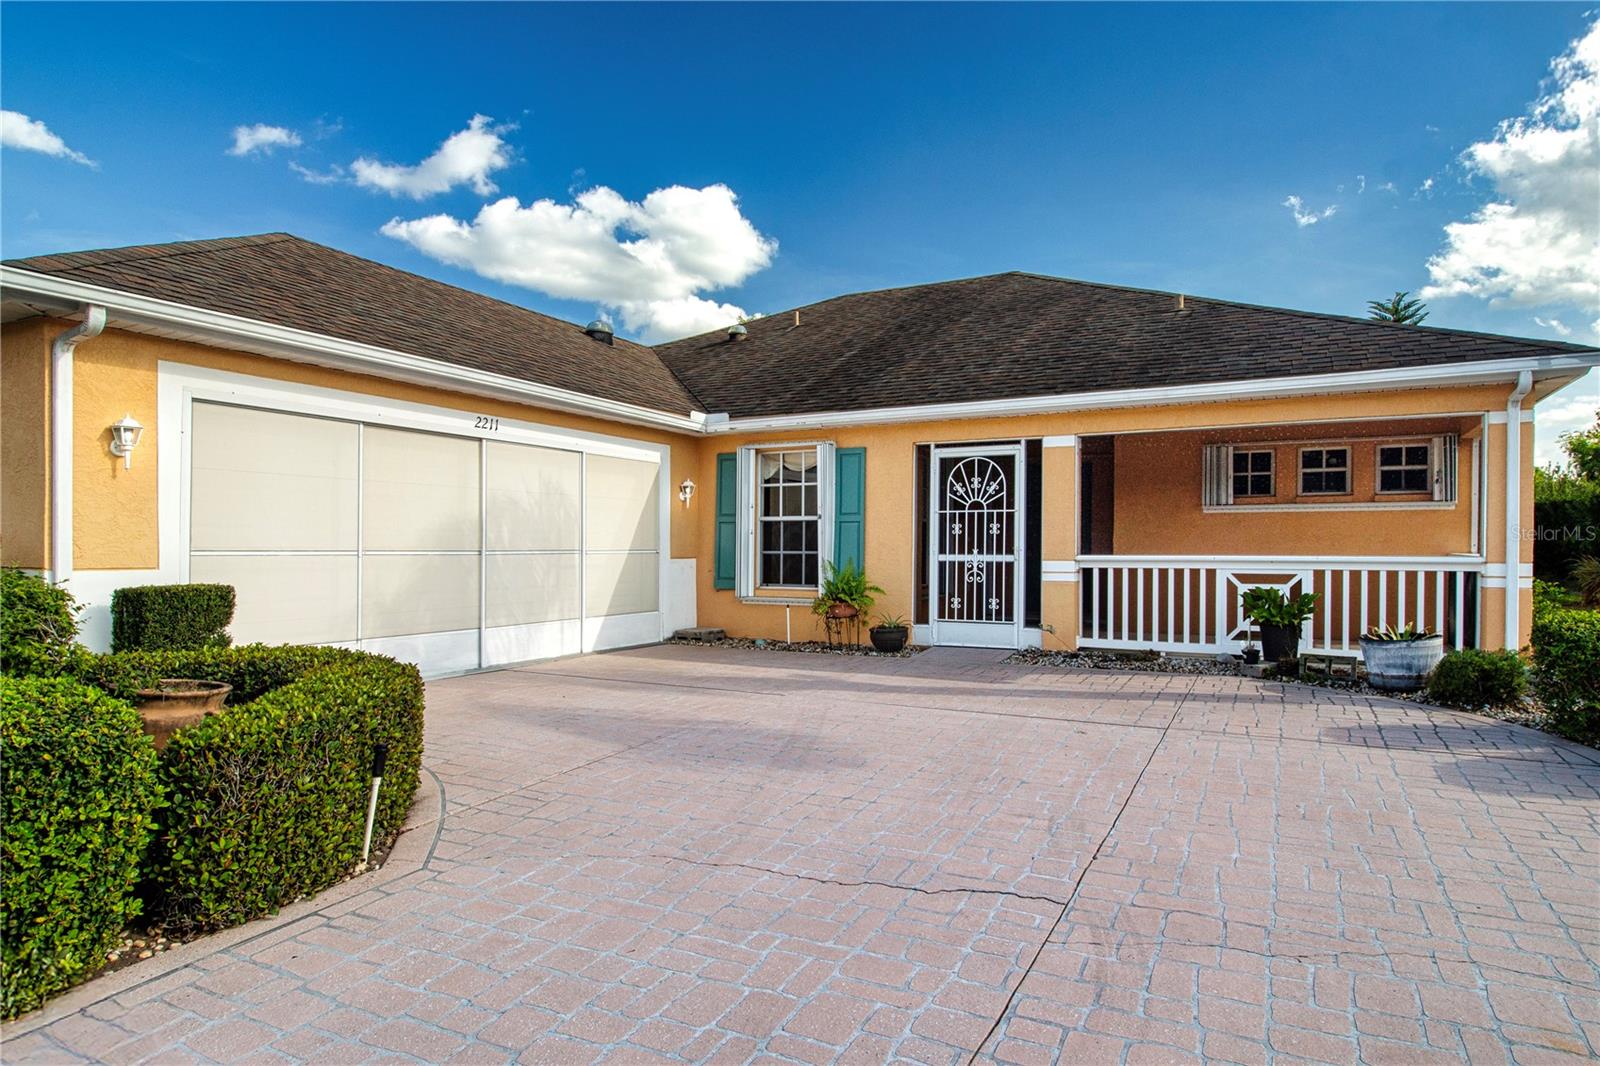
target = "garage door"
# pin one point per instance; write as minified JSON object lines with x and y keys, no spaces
{"x":451,"y":552}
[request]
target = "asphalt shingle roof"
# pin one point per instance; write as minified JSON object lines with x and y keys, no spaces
{"x":1014,"y":335}
{"x":1003,"y":336}
{"x":282,"y":279}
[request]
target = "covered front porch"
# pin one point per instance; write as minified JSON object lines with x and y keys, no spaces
{"x":1389,"y":522}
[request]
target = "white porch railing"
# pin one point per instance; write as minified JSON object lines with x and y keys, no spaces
{"x":1191,"y":603}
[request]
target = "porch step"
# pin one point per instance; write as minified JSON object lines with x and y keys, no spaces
{"x":704,"y":634}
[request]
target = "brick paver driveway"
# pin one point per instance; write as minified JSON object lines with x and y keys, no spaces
{"x":707,"y":854}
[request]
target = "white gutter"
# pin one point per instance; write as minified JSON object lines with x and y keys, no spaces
{"x":1514,"y":510}
{"x":1486,"y":372}
{"x":264,"y":338}
{"x":94,"y":320}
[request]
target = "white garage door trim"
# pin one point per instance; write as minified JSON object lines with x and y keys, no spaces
{"x":180,"y":386}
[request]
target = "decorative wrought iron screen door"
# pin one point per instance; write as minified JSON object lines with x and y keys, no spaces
{"x":976,"y":536}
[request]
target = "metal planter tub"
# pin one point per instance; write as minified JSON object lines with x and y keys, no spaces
{"x":1401,"y":665}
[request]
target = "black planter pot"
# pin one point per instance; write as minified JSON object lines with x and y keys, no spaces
{"x":889,"y":639}
{"x":1279,"y":643}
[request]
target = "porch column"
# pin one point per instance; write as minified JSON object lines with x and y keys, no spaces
{"x":1506,"y":616}
{"x":1058,"y":549}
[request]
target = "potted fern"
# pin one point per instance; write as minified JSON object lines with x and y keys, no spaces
{"x":846,"y":593}
{"x":1279,"y":619}
{"x":1400,"y":660}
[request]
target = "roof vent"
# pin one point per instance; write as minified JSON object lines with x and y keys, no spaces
{"x":1180,"y":306}
{"x":600,"y":331}
{"x":737,"y":332}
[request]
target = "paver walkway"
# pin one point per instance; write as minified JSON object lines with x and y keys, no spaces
{"x":704,"y":854}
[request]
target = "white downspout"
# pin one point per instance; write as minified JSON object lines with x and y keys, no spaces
{"x":1513,"y":632}
{"x":94,"y":320}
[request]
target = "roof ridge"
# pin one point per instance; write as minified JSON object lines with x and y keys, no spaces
{"x":1301,"y":312}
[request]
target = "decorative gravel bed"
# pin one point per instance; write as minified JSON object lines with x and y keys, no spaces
{"x":804,"y":647}
{"x":1530,"y":714}
{"x":1103,"y":660}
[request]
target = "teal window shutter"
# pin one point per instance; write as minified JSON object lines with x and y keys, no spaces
{"x":850,"y":508}
{"x":727,"y":557}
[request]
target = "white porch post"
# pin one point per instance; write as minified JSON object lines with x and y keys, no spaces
{"x":1513,"y":497}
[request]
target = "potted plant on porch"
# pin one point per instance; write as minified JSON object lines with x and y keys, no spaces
{"x":1400,"y":660}
{"x":1279,"y":619}
{"x":845,"y":596}
{"x":890,"y":634}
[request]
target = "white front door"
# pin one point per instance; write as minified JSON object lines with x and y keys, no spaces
{"x":976,"y":544}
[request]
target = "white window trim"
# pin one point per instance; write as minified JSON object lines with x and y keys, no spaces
{"x":747,"y":575}
{"x":1431,"y":465}
{"x":1301,"y":471}
{"x":1272,"y":473}
{"x":762,"y":519}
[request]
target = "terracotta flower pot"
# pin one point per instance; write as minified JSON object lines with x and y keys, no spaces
{"x":177,"y":702}
{"x":842,"y":610}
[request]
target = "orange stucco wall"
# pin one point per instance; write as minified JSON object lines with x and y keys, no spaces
{"x":1156,"y":509}
{"x":1175,"y":512}
{"x":115,"y":510}
{"x":1159,"y":510}
{"x":24,"y":445}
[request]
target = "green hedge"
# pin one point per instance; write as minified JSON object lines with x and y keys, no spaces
{"x":1566,"y":668}
{"x":160,"y":617}
{"x":79,"y":784}
{"x":38,"y":622}
{"x":1566,"y":514}
{"x":266,"y":801}
{"x":1471,"y":679}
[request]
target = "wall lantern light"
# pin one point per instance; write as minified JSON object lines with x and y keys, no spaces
{"x":124,"y":438}
{"x":686,"y":491}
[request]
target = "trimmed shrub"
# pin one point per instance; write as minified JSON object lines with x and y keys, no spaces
{"x":161,"y":617}
{"x":79,"y":787}
{"x":38,"y":622}
{"x":266,"y":801}
{"x":252,"y":669}
{"x":1470,"y":680}
{"x":1566,"y":669}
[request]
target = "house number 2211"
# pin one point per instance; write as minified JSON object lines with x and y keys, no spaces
{"x":485,"y":422}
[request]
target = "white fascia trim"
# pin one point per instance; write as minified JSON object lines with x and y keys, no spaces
{"x":1488,"y":371}
{"x":265,"y":338}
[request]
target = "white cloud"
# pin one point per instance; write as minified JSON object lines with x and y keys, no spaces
{"x":333,"y":175}
{"x":1555,"y":324}
{"x":1574,"y":407}
{"x":467,"y":157}
{"x":1389,"y":187}
{"x":1361,"y":184}
{"x":19,"y":131}
{"x":649,"y":261}
{"x":1537,"y":243}
{"x":263,"y":139}
{"x":1303,"y":217}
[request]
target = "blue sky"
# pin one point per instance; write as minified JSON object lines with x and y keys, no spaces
{"x":696,"y":162}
